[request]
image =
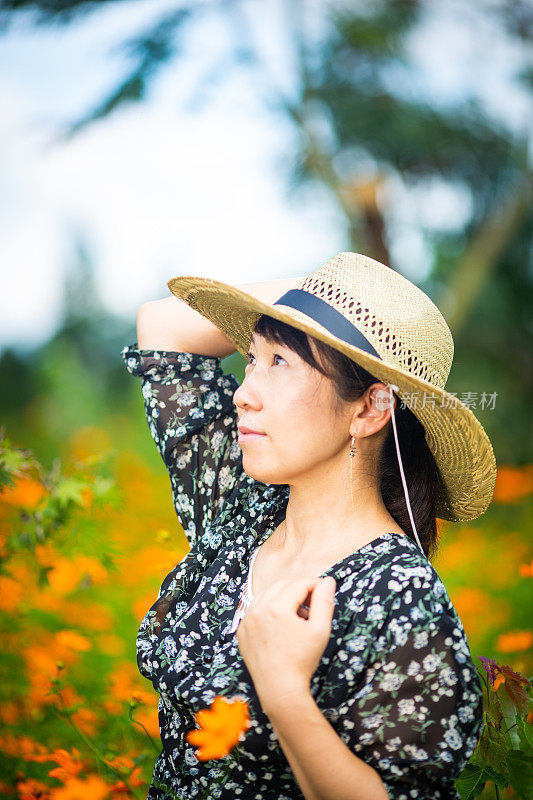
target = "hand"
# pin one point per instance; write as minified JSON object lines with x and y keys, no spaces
{"x":280,"y":648}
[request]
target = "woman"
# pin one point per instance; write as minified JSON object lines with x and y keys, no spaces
{"x":358,"y":688}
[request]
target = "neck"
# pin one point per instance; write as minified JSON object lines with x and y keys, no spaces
{"x":318,"y":523}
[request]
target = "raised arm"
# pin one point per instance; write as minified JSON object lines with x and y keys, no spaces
{"x":171,"y":324}
{"x":188,"y":402}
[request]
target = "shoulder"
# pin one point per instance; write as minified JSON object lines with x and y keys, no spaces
{"x":396,"y":555}
{"x":392,"y":561}
{"x":394,"y":582}
{"x":401,"y":622}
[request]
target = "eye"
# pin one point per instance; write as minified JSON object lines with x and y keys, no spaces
{"x":276,"y":355}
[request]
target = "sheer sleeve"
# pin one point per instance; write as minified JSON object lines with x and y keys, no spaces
{"x":415,"y":714}
{"x":188,"y":403}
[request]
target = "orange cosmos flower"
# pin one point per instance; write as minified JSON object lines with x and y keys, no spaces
{"x":32,"y":789}
{"x":121,"y":763}
{"x":514,"y":683}
{"x":86,"y":720}
{"x":514,"y":641}
{"x":25,"y":493}
{"x":526,"y":570}
{"x":67,"y":573}
{"x":72,"y":640}
{"x":42,"y":658}
{"x":69,"y":764}
{"x":10,"y":712}
{"x":513,"y":483}
{"x":94,"y":788}
{"x":22,"y":746}
{"x":112,"y":707}
{"x":10,"y":593}
{"x":93,"y":616}
{"x":498,"y":680}
{"x":134,"y":779}
{"x":68,"y":697}
{"x":221,"y":728}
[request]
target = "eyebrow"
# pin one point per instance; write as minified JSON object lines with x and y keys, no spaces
{"x":274,"y":344}
{"x":252,"y":342}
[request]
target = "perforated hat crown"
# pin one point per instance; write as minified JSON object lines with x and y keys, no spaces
{"x":385,"y":323}
{"x":405,"y":327}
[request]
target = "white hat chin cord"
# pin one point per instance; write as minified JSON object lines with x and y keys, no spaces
{"x":391,"y":386}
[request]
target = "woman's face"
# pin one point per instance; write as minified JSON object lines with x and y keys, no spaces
{"x":295,"y":407}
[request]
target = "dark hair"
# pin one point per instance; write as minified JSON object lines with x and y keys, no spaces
{"x":421,"y":471}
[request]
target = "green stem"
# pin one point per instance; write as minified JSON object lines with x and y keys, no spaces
{"x":511,"y":728}
{"x":485,"y":679}
{"x":136,"y":721}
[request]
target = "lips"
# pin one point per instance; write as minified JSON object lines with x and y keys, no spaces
{"x":244,"y":429}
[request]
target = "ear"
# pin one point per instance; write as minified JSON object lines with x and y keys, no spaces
{"x":382,"y":397}
{"x":375,"y":410}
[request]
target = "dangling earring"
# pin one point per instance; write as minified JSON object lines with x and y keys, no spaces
{"x":353,"y":450}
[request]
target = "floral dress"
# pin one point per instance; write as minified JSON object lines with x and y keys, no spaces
{"x":396,"y":679}
{"x":246,"y":595}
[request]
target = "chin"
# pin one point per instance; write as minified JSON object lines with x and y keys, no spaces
{"x":264,"y":476}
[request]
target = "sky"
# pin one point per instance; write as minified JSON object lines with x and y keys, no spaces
{"x":163,"y":188}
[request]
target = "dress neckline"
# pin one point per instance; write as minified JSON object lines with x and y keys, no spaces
{"x":338,"y":564}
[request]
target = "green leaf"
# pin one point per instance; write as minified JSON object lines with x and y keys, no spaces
{"x":69,"y":491}
{"x":525,"y":732}
{"x":510,"y":717}
{"x":5,"y":477}
{"x":494,"y":714}
{"x":496,"y":777}
{"x":515,"y":685}
{"x":14,"y":461}
{"x":521,"y":772}
{"x":493,"y":750}
{"x":470,"y":782}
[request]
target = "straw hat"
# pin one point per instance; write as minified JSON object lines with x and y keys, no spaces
{"x":389,"y":326}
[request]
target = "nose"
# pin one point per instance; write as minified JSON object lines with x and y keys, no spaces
{"x":246,"y":396}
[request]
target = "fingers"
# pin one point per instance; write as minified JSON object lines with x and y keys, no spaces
{"x":322,"y":605}
{"x":307,"y":597}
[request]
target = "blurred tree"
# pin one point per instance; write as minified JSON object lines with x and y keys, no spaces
{"x":76,"y":378}
{"x":363,"y":127}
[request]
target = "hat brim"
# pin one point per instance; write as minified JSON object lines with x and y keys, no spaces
{"x":461,"y":448}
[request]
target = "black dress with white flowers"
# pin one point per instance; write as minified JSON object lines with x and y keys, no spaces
{"x":396,"y":680}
